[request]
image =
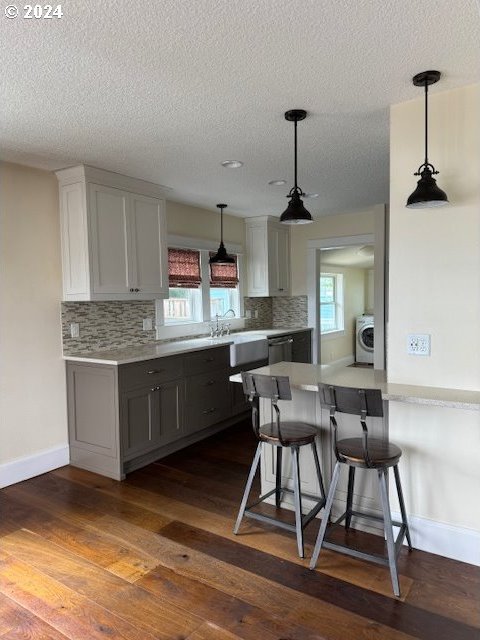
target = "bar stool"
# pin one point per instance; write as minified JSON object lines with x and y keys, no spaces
{"x":364,"y":453}
{"x":281,"y":435}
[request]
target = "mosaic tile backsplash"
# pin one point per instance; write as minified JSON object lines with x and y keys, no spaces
{"x":106,"y":325}
{"x":112,"y":325}
{"x":290,"y":311}
{"x":264,"y":308}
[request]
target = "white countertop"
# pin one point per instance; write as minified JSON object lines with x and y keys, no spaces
{"x":137,"y":353}
{"x":306,"y":377}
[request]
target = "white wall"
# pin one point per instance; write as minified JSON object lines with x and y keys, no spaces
{"x":343,"y":224}
{"x":194,"y":222}
{"x":32,"y":378}
{"x":435,"y":288}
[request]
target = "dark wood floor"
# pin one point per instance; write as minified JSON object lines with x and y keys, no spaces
{"x":85,"y":557}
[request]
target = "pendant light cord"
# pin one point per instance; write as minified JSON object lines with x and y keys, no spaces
{"x":295,"y":161}
{"x":221,"y":225}
{"x":426,"y":123}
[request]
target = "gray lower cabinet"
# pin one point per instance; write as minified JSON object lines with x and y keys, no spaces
{"x":123,"y":417}
{"x":151,"y":417}
{"x":302,"y":346}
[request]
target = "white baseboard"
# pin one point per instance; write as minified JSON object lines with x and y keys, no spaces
{"x":34,"y":465}
{"x":443,"y":539}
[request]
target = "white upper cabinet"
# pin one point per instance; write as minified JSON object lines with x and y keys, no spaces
{"x":268,"y":257}
{"x":113,"y":231}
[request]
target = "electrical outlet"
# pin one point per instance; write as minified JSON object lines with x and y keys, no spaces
{"x":147,"y":324}
{"x":248,"y":313}
{"x":74,"y":330}
{"x":418,"y":344}
{"x":256,"y":313}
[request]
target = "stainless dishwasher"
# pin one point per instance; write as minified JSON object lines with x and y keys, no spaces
{"x":280,"y":349}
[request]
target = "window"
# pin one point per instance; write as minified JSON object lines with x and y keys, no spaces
{"x":196,"y":299}
{"x":224,"y":293}
{"x":184,"y":302}
{"x":331,"y":302}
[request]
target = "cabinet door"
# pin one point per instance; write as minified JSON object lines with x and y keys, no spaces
{"x":140,"y":421}
{"x":302,"y":347}
{"x":170,"y":398}
{"x":257,"y":248}
{"x":148,"y":270}
{"x":279,"y":260}
{"x":109,"y":222}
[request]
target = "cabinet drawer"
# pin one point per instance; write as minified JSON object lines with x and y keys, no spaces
{"x":207,"y":389}
{"x":149,"y":372}
{"x":207,"y":360}
{"x":207,"y":399}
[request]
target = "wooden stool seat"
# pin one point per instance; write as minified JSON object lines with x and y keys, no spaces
{"x":281,"y":435}
{"x":381,"y":453}
{"x":292,"y":434}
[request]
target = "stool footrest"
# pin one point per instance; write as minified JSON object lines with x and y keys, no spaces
{"x":306,"y":519}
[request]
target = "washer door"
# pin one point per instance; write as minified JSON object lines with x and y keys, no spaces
{"x":365,"y":337}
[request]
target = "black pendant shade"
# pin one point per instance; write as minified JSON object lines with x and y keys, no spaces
{"x":221,"y":257}
{"x":427,"y":194}
{"x":295,"y":213}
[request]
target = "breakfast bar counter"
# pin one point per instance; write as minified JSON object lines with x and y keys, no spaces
{"x":306,"y":377}
{"x":439,"y":465}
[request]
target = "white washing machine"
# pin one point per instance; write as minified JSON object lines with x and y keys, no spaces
{"x":364,"y":339}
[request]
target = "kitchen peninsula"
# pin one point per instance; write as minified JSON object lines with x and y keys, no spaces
{"x":426,"y":466}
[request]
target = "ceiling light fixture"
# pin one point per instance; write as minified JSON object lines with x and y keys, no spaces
{"x":295,"y":213}
{"x":232,"y":164}
{"x":221,"y":257}
{"x":427,"y":194}
{"x":277,"y":183}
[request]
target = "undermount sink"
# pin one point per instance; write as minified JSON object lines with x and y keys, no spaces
{"x":245,"y":348}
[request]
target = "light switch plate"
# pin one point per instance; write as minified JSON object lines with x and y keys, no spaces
{"x":418,"y":344}
{"x":147,"y":324}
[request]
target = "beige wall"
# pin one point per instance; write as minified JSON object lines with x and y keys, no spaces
{"x":346,"y":224}
{"x":32,"y":378}
{"x":435,"y":288}
{"x":195,"y":222}
{"x":336,"y":348}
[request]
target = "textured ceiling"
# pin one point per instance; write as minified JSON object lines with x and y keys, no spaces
{"x":165,"y":91}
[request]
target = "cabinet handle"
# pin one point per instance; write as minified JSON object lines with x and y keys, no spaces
{"x":211,"y":410}
{"x":131,"y":289}
{"x":280,"y":289}
{"x":209,"y":359}
{"x":136,"y":290}
{"x":149,"y":373}
{"x":155,"y":389}
{"x":209,"y":383}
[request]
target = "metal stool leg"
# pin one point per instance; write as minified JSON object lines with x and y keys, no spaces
{"x":392,"y":560}
{"x":298,"y":500}
{"x":248,"y":486}
{"x":326,"y":516}
{"x":351,"y":483}
{"x":319,"y":472}
{"x":278,"y":478}
{"x":402,"y":505}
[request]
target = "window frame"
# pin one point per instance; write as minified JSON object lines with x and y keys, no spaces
{"x":338,"y":302}
{"x":188,"y":327}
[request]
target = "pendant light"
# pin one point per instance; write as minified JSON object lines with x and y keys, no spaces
{"x":295,"y":213}
{"x":221,"y":257}
{"x":427,"y":194}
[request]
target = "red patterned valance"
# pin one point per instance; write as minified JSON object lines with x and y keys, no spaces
{"x":224,"y":275}
{"x":184,"y":268}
